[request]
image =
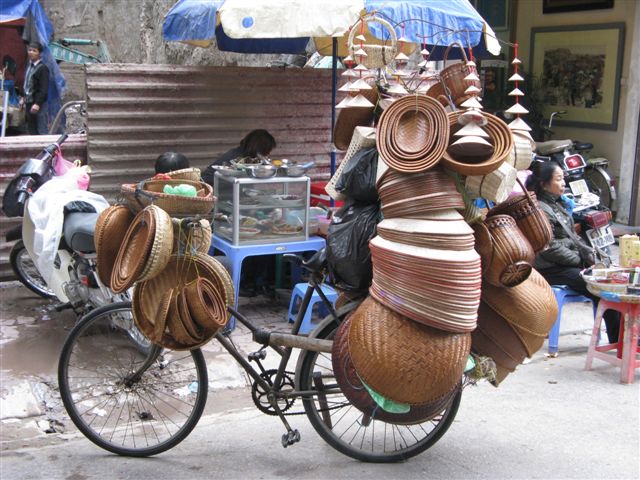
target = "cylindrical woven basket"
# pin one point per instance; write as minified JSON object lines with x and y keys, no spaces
{"x":355,"y":391}
{"x":530,"y":308}
{"x":499,"y":136}
{"x":494,"y":186}
{"x":148,"y":296}
{"x":506,"y":253}
{"x":531,"y":220}
{"x":134,"y":251}
{"x":141,"y":195}
{"x":111,"y":227}
{"x":452,"y":76}
{"x":520,"y":156}
{"x":403,"y":360}
{"x":412,"y":133}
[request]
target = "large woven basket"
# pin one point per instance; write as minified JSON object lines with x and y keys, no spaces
{"x":155,"y":299}
{"x":192,"y":174}
{"x":531,"y":220}
{"x":111,"y":227}
{"x":530,"y":308}
{"x":404,"y":360}
{"x":377,"y":56}
{"x":453,"y":76}
{"x":149,"y":192}
{"x":355,"y":391}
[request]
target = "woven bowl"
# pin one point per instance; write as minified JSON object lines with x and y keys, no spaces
{"x":134,"y":251}
{"x":404,"y":360}
{"x":139,"y":196}
{"x":530,"y":308}
{"x":499,"y":136}
{"x":192,"y":174}
{"x":111,"y":227}
{"x":355,"y":391}
{"x":180,"y":270}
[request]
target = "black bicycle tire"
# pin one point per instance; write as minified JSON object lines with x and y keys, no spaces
{"x":69,"y":405}
{"x":327,"y":435}
{"x":17,"y":249}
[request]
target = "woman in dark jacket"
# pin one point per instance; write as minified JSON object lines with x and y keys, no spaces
{"x":561,"y":263}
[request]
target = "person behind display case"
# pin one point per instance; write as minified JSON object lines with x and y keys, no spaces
{"x":171,"y":161}
{"x":562,"y":262}
{"x":256,"y":143}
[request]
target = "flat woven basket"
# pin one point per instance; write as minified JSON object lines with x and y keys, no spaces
{"x":363,"y":137}
{"x":404,"y":360}
{"x":149,"y":192}
{"x":111,"y":227}
{"x":355,"y":391}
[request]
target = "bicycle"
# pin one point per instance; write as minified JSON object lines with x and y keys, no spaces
{"x":136,"y":405}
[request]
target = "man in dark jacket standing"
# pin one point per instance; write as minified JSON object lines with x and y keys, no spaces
{"x":36,"y":87}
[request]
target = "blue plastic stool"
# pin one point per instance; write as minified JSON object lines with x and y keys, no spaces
{"x":296,"y":300}
{"x":564,"y":294}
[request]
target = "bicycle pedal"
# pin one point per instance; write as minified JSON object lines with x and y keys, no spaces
{"x":291,"y":437}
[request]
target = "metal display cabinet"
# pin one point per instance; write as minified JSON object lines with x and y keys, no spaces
{"x":254,"y":211}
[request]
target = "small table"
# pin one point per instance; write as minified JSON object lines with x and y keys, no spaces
{"x":629,"y":307}
{"x":237,"y":253}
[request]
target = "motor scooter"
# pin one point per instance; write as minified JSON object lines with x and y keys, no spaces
{"x":71,"y":275}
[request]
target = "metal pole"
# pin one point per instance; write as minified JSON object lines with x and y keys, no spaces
{"x":334,"y":82}
{"x":5,"y":114}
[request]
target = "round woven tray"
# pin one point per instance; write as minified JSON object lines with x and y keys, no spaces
{"x":403,"y":360}
{"x":111,"y":227}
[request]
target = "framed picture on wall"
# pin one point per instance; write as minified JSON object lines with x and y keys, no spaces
{"x":579,"y":68}
{"x":558,"y":6}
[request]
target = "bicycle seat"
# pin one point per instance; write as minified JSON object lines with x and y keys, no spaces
{"x":553,"y":146}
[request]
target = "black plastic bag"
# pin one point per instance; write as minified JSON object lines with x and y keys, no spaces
{"x":358,"y":178}
{"x":348,"y":252}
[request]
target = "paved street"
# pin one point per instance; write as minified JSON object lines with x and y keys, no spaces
{"x":550,"y":419}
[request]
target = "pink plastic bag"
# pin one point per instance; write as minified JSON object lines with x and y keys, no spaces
{"x":62,"y":166}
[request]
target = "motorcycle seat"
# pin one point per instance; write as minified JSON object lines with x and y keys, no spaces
{"x":78,"y":231}
{"x":553,"y":146}
{"x":583,"y":146}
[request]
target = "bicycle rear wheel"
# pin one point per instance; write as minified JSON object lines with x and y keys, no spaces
{"x":117,"y":404}
{"x":348,"y":430}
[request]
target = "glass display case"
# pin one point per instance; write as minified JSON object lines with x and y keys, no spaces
{"x":252,"y":211}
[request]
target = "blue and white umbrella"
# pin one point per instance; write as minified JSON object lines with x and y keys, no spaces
{"x":286,"y":26}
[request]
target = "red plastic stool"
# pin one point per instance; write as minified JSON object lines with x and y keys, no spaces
{"x":626,"y":347}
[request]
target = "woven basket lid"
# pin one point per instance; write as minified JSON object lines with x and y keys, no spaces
{"x":403,"y":360}
{"x":530,"y":308}
{"x":134,"y":251}
{"x":111,"y":227}
{"x":180,"y":270}
{"x":162,"y":244}
{"x":352,"y":117}
{"x":355,"y":391}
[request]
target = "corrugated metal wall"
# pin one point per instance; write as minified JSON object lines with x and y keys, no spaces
{"x":13,"y":152}
{"x":136,"y":112}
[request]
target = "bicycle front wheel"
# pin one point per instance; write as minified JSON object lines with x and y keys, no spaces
{"x":126,"y":401}
{"x":350,"y":431}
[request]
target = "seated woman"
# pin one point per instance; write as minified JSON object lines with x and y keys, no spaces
{"x":255,"y":143}
{"x":171,"y":161}
{"x":561,"y":263}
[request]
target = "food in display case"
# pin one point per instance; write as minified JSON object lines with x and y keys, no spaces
{"x":255,"y":211}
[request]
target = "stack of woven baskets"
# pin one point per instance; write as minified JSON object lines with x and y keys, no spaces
{"x":447,"y":279}
{"x":180,"y":294}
